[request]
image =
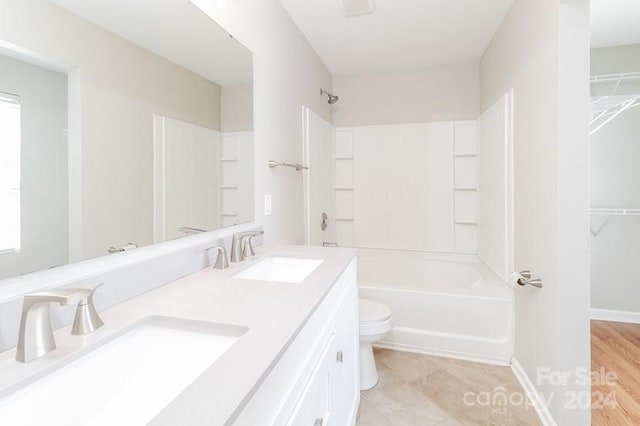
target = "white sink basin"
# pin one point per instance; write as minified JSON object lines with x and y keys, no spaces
{"x":127,"y":380}
{"x":280,"y":268}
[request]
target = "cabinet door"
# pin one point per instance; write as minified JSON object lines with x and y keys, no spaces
{"x":344,"y":373}
{"x":312,"y":408}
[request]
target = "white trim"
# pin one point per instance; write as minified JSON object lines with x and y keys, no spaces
{"x":159,"y":179}
{"x":34,"y":58}
{"x":615,"y":316}
{"x":510,"y":178}
{"x":305,"y":176}
{"x":535,"y":398}
{"x":441,"y":353}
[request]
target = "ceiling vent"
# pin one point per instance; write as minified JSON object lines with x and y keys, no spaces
{"x":357,"y":7}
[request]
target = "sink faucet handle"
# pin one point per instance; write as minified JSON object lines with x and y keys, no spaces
{"x":36,"y":336}
{"x":222,"y":261}
{"x":247,"y":248}
{"x":65,"y":296}
{"x":241,"y":245}
{"x":87,"y":319}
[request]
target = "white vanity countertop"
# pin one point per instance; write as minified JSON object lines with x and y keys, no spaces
{"x":274,"y":312}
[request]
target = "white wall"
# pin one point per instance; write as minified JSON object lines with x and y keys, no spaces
{"x":121,"y":87}
{"x":437,"y":94}
{"x":541,"y":51}
{"x":615,"y":149}
{"x":287,"y":75}
{"x":44,"y":186}
{"x":614,"y":60}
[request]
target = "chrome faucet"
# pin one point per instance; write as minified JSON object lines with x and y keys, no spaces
{"x":222,"y":261}
{"x":36,"y":336}
{"x":87,"y":319}
{"x":241,"y":247}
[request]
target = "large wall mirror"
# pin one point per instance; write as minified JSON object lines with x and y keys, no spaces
{"x":122,"y":124}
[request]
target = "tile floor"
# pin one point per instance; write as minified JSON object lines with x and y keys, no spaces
{"x":423,"y":390}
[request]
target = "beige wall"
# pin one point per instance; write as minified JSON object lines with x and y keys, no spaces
{"x":437,"y":94}
{"x":121,"y":87}
{"x":541,"y":51}
{"x":236,"y":113}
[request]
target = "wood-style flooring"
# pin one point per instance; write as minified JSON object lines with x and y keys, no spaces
{"x":615,"y":347}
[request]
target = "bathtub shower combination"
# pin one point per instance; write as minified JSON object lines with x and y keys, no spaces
{"x":429,"y":206}
{"x":450,"y":305}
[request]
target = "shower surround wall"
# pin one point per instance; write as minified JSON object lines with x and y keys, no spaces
{"x":407,"y":186}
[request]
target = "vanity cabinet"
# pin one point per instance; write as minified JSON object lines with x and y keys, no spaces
{"x":330,"y":397}
{"x":316,"y":381}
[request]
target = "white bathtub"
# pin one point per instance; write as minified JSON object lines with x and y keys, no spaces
{"x":449,"y":305}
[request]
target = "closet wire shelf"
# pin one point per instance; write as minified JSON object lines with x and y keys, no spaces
{"x":611,"y":95}
{"x":604,"y":216}
{"x":615,"y":211}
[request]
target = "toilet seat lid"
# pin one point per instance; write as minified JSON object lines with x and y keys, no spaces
{"x":371,"y":311}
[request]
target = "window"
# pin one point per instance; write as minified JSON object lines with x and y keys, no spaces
{"x":9,"y":173}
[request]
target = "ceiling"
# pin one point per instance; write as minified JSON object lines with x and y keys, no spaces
{"x":615,"y":22}
{"x":176,"y":30}
{"x":399,"y":35}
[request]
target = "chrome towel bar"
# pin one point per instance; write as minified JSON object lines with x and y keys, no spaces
{"x":298,"y":167}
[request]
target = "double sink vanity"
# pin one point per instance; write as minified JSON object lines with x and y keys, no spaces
{"x":271,"y":340}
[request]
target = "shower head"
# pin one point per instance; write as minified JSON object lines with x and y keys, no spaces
{"x":332,"y":98}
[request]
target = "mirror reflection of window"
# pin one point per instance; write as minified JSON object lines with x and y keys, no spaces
{"x":9,"y":173}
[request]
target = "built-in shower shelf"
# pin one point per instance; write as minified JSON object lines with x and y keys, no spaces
{"x":615,"y":211}
{"x":345,"y":219}
{"x":466,"y":189}
{"x":343,"y":158}
{"x":228,"y":187}
{"x":465,"y":155}
{"x":344,"y":188}
{"x":229,"y":214}
{"x":228,"y":160}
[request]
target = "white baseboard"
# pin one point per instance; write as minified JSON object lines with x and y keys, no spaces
{"x":440,"y":353}
{"x":536,"y":400}
{"x":616,"y":316}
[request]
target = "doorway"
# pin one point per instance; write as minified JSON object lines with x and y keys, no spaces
{"x":615,"y":212}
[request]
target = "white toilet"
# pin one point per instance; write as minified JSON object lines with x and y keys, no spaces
{"x":375,"y":322}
